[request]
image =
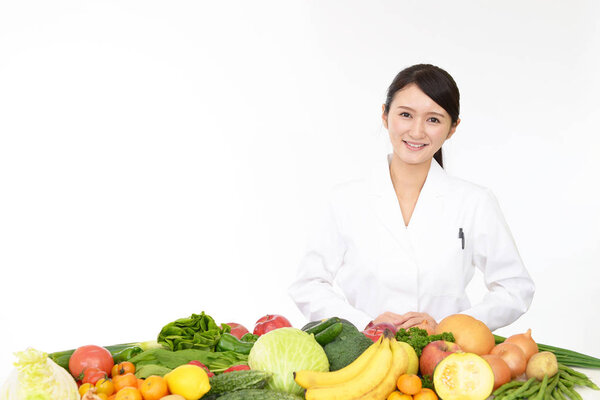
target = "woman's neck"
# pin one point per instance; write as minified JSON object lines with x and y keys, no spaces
{"x":408,"y":179}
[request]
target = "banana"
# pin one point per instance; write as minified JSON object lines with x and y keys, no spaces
{"x":388,"y":384}
{"x":413,"y":359}
{"x":308,"y":379}
{"x":372,"y":374}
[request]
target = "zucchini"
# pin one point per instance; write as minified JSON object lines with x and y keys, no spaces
{"x":237,"y":380}
{"x":330,"y":333}
{"x":321,"y":326}
{"x":259,"y":394}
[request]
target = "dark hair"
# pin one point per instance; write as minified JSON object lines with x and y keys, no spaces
{"x":435,"y":83}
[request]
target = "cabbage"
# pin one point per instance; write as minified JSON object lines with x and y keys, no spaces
{"x":36,"y":377}
{"x":283,"y":351}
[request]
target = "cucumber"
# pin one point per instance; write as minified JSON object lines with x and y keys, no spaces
{"x":259,"y":394}
{"x":237,"y":380}
{"x":321,"y":326}
{"x":330,"y":333}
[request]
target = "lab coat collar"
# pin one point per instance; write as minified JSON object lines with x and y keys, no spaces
{"x":381,"y":181}
{"x":427,"y":209}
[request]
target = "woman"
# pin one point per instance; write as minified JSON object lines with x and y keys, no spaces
{"x":402,"y":245}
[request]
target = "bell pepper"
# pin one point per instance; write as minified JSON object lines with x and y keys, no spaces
{"x":228,"y":342}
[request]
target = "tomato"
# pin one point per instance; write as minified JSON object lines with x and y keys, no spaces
{"x":122,"y":368}
{"x":105,"y":386}
{"x":83,"y":389}
{"x":237,"y":330}
{"x":92,"y":375}
{"x":270,"y":322}
{"x":373,"y":332}
{"x":90,"y":357}
{"x":204,"y":367}
{"x":241,"y":367}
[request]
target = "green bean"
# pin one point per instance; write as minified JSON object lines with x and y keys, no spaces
{"x":571,"y":371}
{"x":542,"y":390}
{"x":507,"y":386}
{"x":551,"y":385}
{"x":570,"y":392}
{"x":559,"y":394}
{"x":518,"y":392}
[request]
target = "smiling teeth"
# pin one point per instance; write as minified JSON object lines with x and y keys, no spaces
{"x":415,"y":145}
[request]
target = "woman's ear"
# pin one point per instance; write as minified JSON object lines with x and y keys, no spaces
{"x":453,"y":129}
{"x":384,"y":116}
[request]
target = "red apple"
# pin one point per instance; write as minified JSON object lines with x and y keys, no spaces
{"x":373,"y":332}
{"x":270,"y":322}
{"x":237,"y":330}
{"x":435,"y":352}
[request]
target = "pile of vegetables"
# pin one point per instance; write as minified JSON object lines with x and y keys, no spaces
{"x":195,"y":358}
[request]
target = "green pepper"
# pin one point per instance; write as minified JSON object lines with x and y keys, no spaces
{"x":228,"y":342}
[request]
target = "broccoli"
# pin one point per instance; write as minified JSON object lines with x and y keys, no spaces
{"x":346,"y":347}
{"x":418,"y":338}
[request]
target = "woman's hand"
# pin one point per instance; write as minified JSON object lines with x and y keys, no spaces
{"x":390,"y":318}
{"x":412,"y":318}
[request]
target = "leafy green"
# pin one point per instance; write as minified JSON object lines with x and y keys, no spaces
{"x":215,"y":361}
{"x":418,"y":338}
{"x":283,"y":351}
{"x":37,"y":377}
{"x":249,"y":337}
{"x":199,"y":331}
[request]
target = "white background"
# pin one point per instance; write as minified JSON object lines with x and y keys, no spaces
{"x":159,"y":159}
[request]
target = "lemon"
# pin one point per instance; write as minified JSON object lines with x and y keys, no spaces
{"x":189,"y":381}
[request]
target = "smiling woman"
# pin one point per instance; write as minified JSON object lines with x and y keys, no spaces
{"x":403,"y":244}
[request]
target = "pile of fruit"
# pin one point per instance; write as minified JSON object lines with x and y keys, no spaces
{"x":195,"y":358}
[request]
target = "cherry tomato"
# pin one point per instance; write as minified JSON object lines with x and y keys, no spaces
{"x":92,"y":375}
{"x":83,"y":389}
{"x":105,"y":386}
{"x":122,"y":368}
{"x":90,"y":357}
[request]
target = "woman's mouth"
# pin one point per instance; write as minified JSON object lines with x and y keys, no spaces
{"x":414,"y":146}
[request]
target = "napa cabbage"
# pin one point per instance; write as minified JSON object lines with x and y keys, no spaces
{"x":37,"y":377}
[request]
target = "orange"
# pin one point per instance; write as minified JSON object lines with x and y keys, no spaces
{"x":154,"y":388}
{"x":140,"y":382}
{"x":122,"y":381}
{"x":129,"y":393}
{"x":425,"y":394}
{"x":102,"y":396}
{"x":409,"y":384}
{"x":112,"y":396}
{"x":396,"y":395}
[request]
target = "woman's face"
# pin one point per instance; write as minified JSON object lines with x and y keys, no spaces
{"x":418,"y":126}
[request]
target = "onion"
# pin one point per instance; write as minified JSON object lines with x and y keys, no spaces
{"x":500,"y":368}
{"x":513,"y":356}
{"x":525,"y":342}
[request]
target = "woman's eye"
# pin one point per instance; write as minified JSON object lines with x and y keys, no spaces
{"x":404,"y":114}
{"x":434,"y":119}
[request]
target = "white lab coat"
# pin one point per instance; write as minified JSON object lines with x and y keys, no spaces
{"x":364,"y":261}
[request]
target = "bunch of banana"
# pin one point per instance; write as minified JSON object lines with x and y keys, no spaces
{"x":371,"y":376}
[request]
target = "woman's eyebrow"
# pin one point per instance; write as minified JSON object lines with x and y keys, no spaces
{"x":430,"y":112}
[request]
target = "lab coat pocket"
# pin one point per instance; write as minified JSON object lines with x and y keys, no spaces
{"x":443,"y":271}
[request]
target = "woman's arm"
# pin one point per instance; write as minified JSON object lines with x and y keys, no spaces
{"x":313,"y":290}
{"x":510,"y":288}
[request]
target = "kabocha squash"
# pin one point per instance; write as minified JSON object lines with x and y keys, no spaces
{"x":472,"y":335}
{"x":463,"y":376}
